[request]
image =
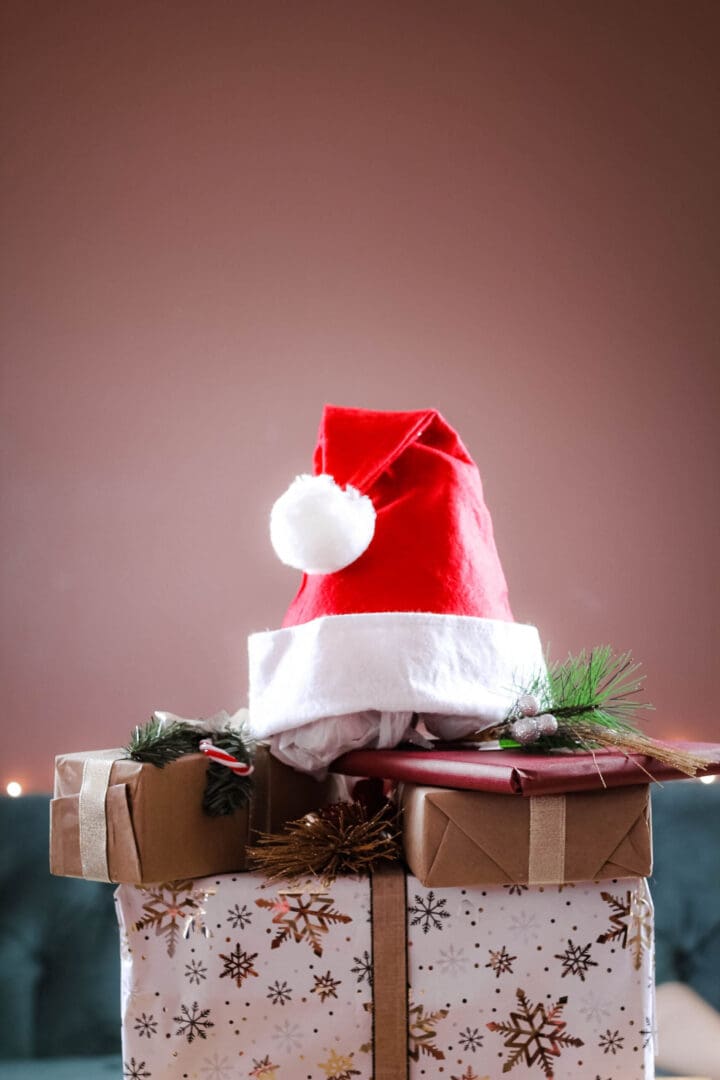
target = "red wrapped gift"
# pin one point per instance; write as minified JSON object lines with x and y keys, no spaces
{"x":518,"y":772}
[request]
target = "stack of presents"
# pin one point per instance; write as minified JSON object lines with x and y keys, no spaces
{"x":461,"y":891}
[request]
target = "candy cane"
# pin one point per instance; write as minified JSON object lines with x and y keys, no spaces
{"x":223,"y":758}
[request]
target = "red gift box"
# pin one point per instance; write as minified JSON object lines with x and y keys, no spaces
{"x":518,"y":772}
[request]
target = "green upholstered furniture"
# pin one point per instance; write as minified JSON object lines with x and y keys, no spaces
{"x":686,"y":885}
{"x":105,"y":1067}
{"x":59,"y":966}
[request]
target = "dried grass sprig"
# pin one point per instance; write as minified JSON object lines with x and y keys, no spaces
{"x":339,"y":839}
{"x":589,"y":735}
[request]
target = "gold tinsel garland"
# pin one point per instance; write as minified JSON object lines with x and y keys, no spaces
{"x":342,"y":838}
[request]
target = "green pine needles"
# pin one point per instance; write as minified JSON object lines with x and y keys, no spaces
{"x":225,"y":791}
{"x":589,"y":702}
{"x":159,"y":742}
{"x":600,"y":686}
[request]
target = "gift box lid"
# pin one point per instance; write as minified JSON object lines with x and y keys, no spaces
{"x":518,"y":772}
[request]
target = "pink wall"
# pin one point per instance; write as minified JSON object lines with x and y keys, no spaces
{"x":217,"y":216}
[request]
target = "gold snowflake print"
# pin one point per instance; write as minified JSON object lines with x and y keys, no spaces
{"x":611,"y":1042}
{"x":422,"y":1032}
{"x":264,"y":1070}
{"x":174,"y":909}
{"x":238,"y":965}
{"x":534,"y":1033}
{"x":325,"y":986}
{"x":338,"y":1066}
{"x":501,"y":962}
{"x":631,"y":923}
{"x":303,"y":917}
{"x":576,"y":960}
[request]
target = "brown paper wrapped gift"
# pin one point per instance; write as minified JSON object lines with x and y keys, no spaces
{"x":479,"y":838}
{"x":113,"y":819}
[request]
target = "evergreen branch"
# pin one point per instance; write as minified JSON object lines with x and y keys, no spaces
{"x":225,"y":790}
{"x":587,"y":702}
{"x":158,"y":743}
{"x":593,"y":699}
{"x":599,"y":683}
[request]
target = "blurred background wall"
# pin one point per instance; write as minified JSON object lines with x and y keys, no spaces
{"x":218,"y":215}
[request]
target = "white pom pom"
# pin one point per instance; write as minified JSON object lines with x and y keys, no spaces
{"x":318,"y":527}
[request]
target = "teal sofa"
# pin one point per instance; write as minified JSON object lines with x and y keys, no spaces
{"x":685,"y":885}
{"x":59,"y":965}
{"x":59,"y":962}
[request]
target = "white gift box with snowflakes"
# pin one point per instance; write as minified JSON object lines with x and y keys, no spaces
{"x":231,"y":977}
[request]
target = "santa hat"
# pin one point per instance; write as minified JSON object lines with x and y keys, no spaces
{"x":403,"y":606}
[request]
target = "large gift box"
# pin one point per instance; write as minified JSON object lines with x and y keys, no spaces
{"x":114,"y":819}
{"x":231,"y":977}
{"x":477,"y":837}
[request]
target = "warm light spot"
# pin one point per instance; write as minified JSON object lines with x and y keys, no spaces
{"x":14,"y":789}
{"x":708,"y":779}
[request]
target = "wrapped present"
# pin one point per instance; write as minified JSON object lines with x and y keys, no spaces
{"x":383,"y":978}
{"x":114,"y":819}
{"x":521,"y":772}
{"x":478,"y":838}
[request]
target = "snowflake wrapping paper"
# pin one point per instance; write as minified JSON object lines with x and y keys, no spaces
{"x":231,"y":977}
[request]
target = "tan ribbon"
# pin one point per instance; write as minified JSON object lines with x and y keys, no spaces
{"x":546,"y":864}
{"x":91,"y":812}
{"x":390,"y":976}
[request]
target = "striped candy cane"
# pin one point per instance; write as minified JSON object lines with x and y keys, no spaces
{"x":223,"y":758}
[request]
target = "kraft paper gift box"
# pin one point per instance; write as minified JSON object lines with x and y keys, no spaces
{"x":114,"y":819}
{"x":231,"y":977}
{"x":478,"y":837}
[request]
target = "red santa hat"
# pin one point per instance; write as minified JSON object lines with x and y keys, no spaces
{"x":403,"y":605}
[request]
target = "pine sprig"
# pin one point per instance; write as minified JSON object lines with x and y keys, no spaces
{"x":598,"y":685}
{"x":158,"y":743}
{"x":591,"y":700}
{"x":226,"y":791}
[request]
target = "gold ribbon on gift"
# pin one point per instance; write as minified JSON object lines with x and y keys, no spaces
{"x":546,"y":862}
{"x":92,"y":817}
{"x":390,"y":974}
